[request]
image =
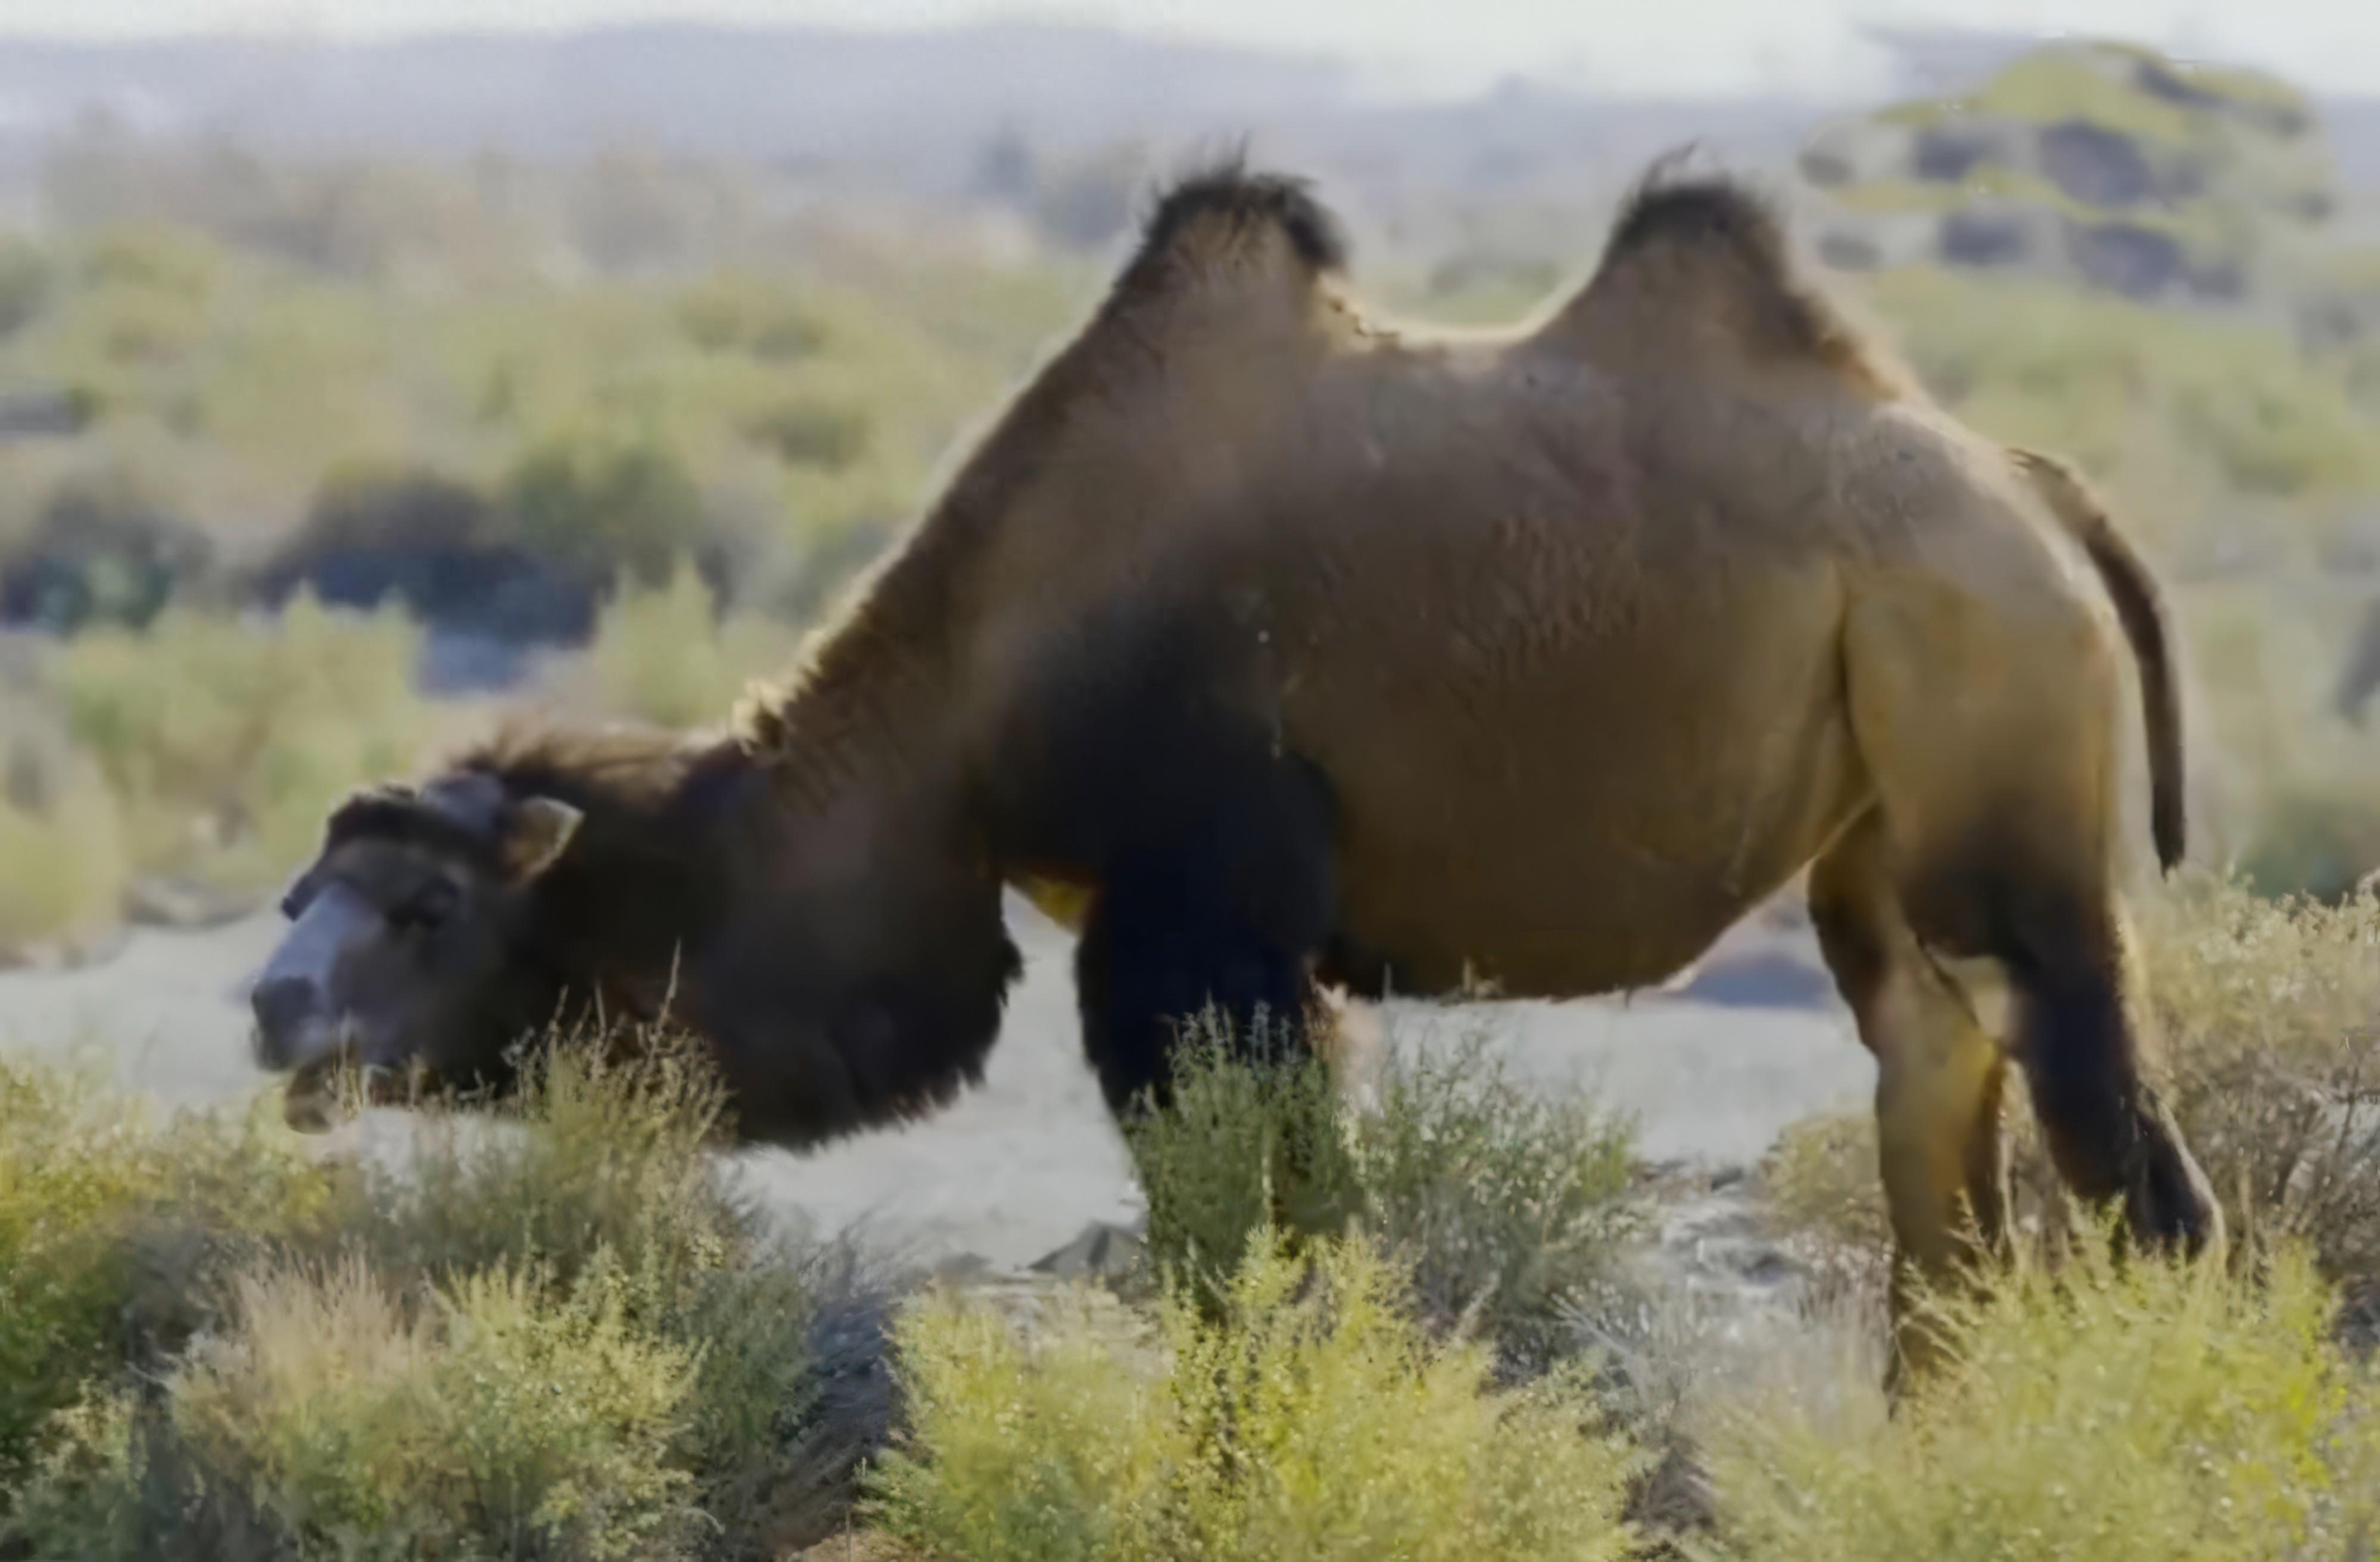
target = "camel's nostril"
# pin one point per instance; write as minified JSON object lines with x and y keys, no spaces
{"x":282,"y":1005}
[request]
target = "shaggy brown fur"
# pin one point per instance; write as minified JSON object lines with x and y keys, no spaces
{"x":1288,"y":649}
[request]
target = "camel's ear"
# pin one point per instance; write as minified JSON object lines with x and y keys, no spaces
{"x":537,"y":832}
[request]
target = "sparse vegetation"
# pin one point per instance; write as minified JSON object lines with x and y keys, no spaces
{"x":1502,"y":1200}
{"x":666,"y":654}
{"x":633,"y":398}
{"x":64,"y":864}
{"x":2269,"y":1018}
{"x":2176,"y":405}
{"x":2271,"y":1014}
{"x":87,"y":1181}
{"x":225,"y":742}
{"x":1311,"y":1419}
{"x":2150,"y":1411}
{"x":555,"y":1332}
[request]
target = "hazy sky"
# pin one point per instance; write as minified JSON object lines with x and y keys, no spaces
{"x":1650,"y":45}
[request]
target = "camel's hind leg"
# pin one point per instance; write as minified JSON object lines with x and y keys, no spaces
{"x":1939,"y":1075}
{"x":1989,"y":732}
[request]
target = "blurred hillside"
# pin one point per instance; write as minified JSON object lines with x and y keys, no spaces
{"x":596,"y":363}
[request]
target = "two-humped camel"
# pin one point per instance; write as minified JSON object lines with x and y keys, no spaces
{"x":1287,"y":649}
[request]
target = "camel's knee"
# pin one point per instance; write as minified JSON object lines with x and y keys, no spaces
{"x":1938,"y":1141}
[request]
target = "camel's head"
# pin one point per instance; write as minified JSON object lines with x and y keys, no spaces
{"x":409,"y":947}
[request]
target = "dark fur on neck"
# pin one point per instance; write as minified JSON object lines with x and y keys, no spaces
{"x":829,"y":1006}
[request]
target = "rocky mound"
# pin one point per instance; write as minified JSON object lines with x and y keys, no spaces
{"x":2103,"y":165}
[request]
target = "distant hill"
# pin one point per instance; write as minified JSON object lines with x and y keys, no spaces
{"x":708,"y":90}
{"x":1069,"y":116}
{"x":916,"y":105}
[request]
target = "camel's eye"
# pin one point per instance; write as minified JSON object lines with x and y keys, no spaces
{"x":425,"y":908}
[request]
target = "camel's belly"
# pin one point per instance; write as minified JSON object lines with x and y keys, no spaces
{"x":1590,"y":828}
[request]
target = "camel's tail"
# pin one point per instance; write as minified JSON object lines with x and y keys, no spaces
{"x":2139,"y":608}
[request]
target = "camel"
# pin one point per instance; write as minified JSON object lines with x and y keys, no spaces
{"x":1279,"y":652}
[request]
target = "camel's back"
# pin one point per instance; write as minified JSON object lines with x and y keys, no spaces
{"x":1574,"y":676}
{"x":1560,"y":617}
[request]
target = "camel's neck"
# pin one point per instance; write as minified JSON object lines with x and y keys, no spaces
{"x":647,"y":878}
{"x":816,"y":903}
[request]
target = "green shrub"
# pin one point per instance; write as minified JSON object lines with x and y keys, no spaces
{"x":601,"y":1171}
{"x":2271,"y":1019}
{"x":2294,"y":806}
{"x":2268,"y":1019}
{"x":1311,"y":1420}
{"x":731,"y":312}
{"x":2150,"y":1411}
{"x":604,"y":503}
{"x":1821,"y":1180}
{"x":591,"y":1162}
{"x":1502,"y":1199}
{"x":664,"y":655}
{"x":26,"y":280}
{"x":806,"y":432}
{"x":551,"y":1327}
{"x":227,"y":741}
{"x":84,"y":1174}
{"x":62,"y":859}
{"x":338,"y":1421}
{"x":1240,"y":1148}
{"x":2119,"y":385}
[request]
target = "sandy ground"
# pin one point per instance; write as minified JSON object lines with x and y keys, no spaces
{"x":1020,"y":1166}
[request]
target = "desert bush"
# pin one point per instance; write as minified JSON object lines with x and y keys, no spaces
{"x":603,"y":503}
{"x":26,"y":279}
{"x":2271,"y":1018}
{"x":226,"y":741}
{"x":1312,"y":1419}
{"x":808,"y":431}
{"x":2295,"y":809}
{"x":1499,"y":1198}
{"x":666,"y":655}
{"x":552,"y":1326}
{"x":598,"y":1170}
{"x":2120,"y":385}
{"x":591,"y":1162}
{"x":742,"y":312}
{"x":2141,"y":1410}
{"x":85,"y":1175}
{"x":333,"y":1420}
{"x":104,"y":552}
{"x":1238,"y":1148}
{"x":63,"y":860}
{"x":2268,"y":1014}
{"x":1820,"y":1180}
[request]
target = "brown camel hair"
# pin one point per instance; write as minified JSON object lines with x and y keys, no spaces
{"x":1278,"y":647}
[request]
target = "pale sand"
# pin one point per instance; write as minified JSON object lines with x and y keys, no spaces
{"x":1019,"y":1167}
